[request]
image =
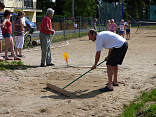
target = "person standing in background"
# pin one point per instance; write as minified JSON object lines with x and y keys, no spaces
{"x":94,"y":24}
{"x":113,"y":26}
{"x":45,"y":31}
{"x":128,"y":26}
{"x":19,"y":33}
{"x":108,"y":25}
{"x":122,"y":28}
{"x":2,"y":6}
{"x":7,"y":34}
{"x":75,"y":26}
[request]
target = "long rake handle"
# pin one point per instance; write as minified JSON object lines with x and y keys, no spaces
{"x":81,"y":76}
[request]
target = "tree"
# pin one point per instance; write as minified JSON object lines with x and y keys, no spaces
{"x":64,"y":7}
{"x":44,"y":5}
{"x":84,"y":8}
{"x":138,"y":9}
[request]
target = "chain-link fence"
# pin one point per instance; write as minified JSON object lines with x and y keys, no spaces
{"x":108,"y":11}
{"x":64,"y":26}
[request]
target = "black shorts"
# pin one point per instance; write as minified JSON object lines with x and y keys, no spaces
{"x":117,"y":55}
{"x":127,"y":30}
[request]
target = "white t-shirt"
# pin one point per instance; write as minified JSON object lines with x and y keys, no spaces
{"x":107,"y":39}
{"x":121,"y":27}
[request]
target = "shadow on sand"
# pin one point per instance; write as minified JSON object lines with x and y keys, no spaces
{"x":83,"y":94}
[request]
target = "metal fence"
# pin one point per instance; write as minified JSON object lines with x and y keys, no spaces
{"x":108,"y":11}
{"x":65,"y":25}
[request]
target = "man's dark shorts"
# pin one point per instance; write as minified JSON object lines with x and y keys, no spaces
{"x":117,"y":55}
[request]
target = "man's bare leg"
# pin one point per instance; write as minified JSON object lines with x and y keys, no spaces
{"x":115,"y":71}
{"x":110,"y":74}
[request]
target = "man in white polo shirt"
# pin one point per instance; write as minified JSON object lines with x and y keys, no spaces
{"x":117,"y":46}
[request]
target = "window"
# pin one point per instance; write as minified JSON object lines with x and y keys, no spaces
{"x":28,"y":3}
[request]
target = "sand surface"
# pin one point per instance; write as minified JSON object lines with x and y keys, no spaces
{"x":24,"y":94}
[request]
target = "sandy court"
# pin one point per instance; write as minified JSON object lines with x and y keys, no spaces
{"x":24,"y":94}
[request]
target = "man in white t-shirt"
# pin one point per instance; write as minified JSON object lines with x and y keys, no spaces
{"x":117,"y":46}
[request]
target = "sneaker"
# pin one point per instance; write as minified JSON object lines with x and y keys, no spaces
{"x":51,"y":64}
{"x":106,"y":89}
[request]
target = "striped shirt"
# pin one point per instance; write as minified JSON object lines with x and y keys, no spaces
{"x":18,"y":30}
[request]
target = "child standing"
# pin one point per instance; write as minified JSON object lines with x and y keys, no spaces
{"x":122,"y":28}
{"x":94,"y":24}
{"x":108,"y":25}
{"x":128,"y":26}
{"x":75,"y":26}
{"x":7,"y":34}
{"x":113,"y":26}
{"x":19,"y":33}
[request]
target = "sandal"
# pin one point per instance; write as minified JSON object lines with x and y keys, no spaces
{"x":106,"y":89}
{"x":21,"y":56}
{"x":114,"y":84}
{"x":8,"y":59}
{"x":17,"y":59}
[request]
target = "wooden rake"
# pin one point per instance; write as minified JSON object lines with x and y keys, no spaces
{"x":62,"y":90}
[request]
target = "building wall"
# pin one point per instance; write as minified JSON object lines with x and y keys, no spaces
{"x":15,"y":6}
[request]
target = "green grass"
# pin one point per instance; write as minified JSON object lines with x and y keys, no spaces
{"x":69,"y":36}
{"x":13,"y":65}
{"x":149,"y":27}
{"x":143,"y":106}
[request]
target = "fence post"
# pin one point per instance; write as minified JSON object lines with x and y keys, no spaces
{"x":99,"y":15}
{"x":79,"y":26}
{"x":90,"y":22}
{"x":122,"y":9}
{"x":64,"y":28}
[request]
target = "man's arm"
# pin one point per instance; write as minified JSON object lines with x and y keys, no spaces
{"x":97,"y":57}
{"x":48,"y":29}
{"x":3,"y":24}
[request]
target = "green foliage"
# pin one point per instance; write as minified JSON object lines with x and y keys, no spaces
{"x":84,"y":8}
{"x":64,"y":8}
{"x":138,"y":9}
{"x":44,"y":5}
